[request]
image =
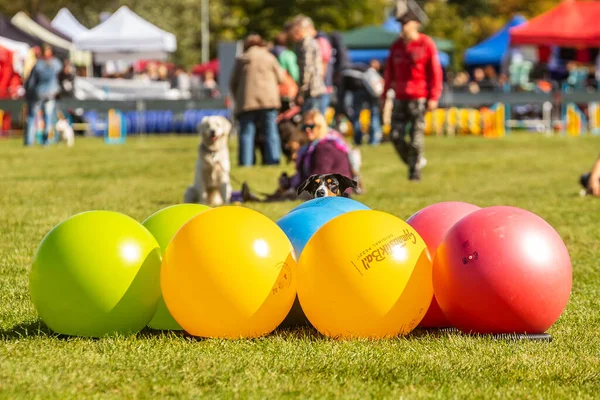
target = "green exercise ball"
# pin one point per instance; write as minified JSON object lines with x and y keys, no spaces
{"x":164,"y":224}
{"x":95,"y":274}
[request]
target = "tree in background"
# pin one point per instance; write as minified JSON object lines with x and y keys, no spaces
{"x":229,"y":19}
{"x":466,"y":22}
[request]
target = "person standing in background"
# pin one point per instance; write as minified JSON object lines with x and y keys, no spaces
{"x":66,"y":78}
{"x":286,"y":57}
{"x":311,"y":82}
{"x":340,"y":54}
{"x":328,"y":60}
{"x":34,"y":54}
{"x":42,"y":87}
{"x":210,"y":86}
{"x":182,"y":82}
{"x":255,"y":86}
{"x":288,"y":90}
{"x":414,"y":71}
{"x":354,"y":82}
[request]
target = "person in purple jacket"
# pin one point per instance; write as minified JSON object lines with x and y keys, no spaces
{"x":326,"y":153}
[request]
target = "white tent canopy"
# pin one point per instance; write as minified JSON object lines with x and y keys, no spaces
{"x":67,"y":24}
{"x":26,"y":24}
{"x":23,"y":22}
{"x":128,"y":37}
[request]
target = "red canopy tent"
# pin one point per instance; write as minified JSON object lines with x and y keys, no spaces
{"x":212,"y":65}
{"x":570,"y":24}
{"x":6,"y":71}
{"x":141,"y":65}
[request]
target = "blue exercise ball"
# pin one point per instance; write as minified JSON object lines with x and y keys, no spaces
{"x":300,"y":225}
{"x":342,"y":204}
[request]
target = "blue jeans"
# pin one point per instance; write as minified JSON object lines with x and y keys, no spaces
{"x":29,"y":136}
{"x":325,"y":101}
{"x":361,"y":100}
{"x":321,"y":103}
{"x":272,"y":150}
{"x":48,"y":108}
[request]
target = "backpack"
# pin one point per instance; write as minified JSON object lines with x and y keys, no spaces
{"x":288,"y":89}
{"x":373,"y":82}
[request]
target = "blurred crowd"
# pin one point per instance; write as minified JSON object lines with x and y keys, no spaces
{"x":189,"y":84}
{"x":558,"y":69}
{"x":301,"y":69}
{"x":308,"y":72}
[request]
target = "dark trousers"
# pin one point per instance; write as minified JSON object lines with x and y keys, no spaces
{"x":408,"y":122}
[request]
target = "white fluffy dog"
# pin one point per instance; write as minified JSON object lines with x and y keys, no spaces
{"x":65,"y":131}
{"x":212,"y":185}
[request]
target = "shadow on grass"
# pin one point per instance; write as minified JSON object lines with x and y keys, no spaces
{"x":306,"y":333}
{"x":309,"y":333}
{"x":27,"y":330}
{"x":149,"y":333}
{"x":38,"y":329}
{"x":163,"y":203}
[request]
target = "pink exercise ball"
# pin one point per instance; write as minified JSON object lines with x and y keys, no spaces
{"x":432,"y":223}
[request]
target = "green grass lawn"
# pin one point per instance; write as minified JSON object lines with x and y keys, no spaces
{"x":40,"y":187}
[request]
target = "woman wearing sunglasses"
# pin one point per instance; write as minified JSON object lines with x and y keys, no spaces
{"x":325,"y":153}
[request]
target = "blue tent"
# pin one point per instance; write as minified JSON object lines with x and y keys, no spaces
{"x":492,"y":50}
{"x":366,"y":55}
{"x":392,"y":25}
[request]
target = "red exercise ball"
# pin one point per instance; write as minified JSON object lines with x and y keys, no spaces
{"x":432,"y":223}
{"x":502,"y":270}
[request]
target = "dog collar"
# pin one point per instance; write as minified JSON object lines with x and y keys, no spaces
{"x":212,"y":153}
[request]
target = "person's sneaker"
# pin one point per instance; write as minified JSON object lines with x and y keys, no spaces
{"x":422,"y":163}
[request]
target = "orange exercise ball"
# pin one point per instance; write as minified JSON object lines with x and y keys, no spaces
{"x":163,"y":225}
{"x":365,"y":274}
{"x":229,"y":273}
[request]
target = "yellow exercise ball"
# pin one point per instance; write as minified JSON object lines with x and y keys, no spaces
{"x":229,"y":273}
{"x":365,"y":274}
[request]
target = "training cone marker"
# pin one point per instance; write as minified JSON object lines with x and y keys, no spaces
{"x":432,"y":223}
{"x":365,"y":274}
{"x":163,"y":225}
{"x":229,"y":273}
{"x":502,"y":270}
{"x":96,"y":273}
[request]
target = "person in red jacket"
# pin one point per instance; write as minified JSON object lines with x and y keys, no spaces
{"x":414,"y":71}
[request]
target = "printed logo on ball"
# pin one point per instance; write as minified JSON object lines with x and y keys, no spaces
{"x":390,"y":245}
{"x":284,"y":280}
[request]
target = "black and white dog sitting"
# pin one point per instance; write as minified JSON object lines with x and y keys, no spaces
{"x":327,"y":185}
